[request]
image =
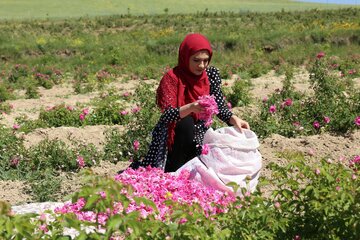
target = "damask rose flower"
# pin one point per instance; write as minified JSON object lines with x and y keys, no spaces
{"x":357,"y":121}
{"x":229,"y":105}
{"x":205,"y":149}
{"x":326,"y":119}
{"x":44,"y":228}
{"x":159,"y":187}
{"x":272,"y":109}
{"x":14,"y":161}
{"x":82,"y":117}
{"x":85,"y":111}
{"x":288,"y":102}
{"x":316,"y":124}
{"x":210,"y":108}
{"x":135,"y":109}
{"x":80,"y":161}
{"x":320,"y":55}
{"x":352,"y":71}
{"x":136,"y":145}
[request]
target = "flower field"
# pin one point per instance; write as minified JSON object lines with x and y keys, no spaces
{"x":71,"y":119}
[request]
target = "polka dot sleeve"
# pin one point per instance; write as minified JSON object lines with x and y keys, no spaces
{"x":215,"y":89}
{"x":170,"y":115}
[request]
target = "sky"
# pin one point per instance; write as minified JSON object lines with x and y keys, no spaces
{"x":354,"y":2}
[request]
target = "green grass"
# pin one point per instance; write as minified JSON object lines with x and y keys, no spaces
{"x":40,"y":9}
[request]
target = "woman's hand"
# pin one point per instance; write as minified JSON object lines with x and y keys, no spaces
{"x":189,"y":108}
{"x":239,"y":123}
{"x":196,"y":107}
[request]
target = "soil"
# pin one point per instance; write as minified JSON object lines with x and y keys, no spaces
{"x":14,"y":192}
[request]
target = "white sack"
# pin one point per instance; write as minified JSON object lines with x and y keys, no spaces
{"x":232,"y":157}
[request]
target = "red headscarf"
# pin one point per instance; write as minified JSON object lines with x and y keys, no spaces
{"x":187,"y":86}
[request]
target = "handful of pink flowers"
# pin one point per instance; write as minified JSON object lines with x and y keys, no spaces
{"x":209,"y":104}
{"x":159,"y":187}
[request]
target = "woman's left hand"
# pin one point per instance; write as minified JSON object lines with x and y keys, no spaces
{"x":239,"y":123}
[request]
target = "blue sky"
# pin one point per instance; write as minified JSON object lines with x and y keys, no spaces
{"x":353,"y":2}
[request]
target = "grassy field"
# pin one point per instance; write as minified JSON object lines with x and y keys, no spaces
{"x":40,"y":9}
{"x":248,"y":44}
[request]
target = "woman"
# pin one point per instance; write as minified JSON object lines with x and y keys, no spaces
{"x":178,"y":136}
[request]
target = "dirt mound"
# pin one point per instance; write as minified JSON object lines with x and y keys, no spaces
{"x":14,"y":192}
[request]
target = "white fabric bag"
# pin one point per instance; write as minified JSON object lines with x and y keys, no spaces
{"x":232,"y":157}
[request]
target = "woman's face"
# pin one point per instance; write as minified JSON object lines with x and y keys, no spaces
{"x":198,"y":62}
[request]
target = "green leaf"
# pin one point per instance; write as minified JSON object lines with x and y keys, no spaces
{"x":82,"y":236}
{"x":287,"y":193}
{"x":9,"y":226}
{"x":90,"y":201}
{"x":308,"y":189}
{"x":114,"y":222}
{"x":146,"y":201}
{"x":63,"y":238}
{"x":329,"y":177}
{"x":20,"y":227}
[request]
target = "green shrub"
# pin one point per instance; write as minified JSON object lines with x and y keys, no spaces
{"x":5,"y":108}
{"x":119,"y":146}
{"x":44,"y":185}
{"x":5,"y":93}
{"x":12,"y":155}
{"x":333,"y":107}
{"x":32,"y":92}
{"x":239,"y":95}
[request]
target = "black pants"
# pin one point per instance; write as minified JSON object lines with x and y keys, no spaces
{"x":184,"y":147}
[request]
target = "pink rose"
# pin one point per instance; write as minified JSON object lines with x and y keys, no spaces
{"x":85,"y":111}
{"x":352,"y":71}
{"x":272,"y":109}
{"x":44,"y":228}
{"x":316,"y":124}
{"x":205,"y":149}
{"x":14,"y":162}
{"x":136,"y":109}
{"x":102,"y":194}
{"x":136,"y":145}
{"x":82,"y":117}
{"x":80,"y":161}
{"x":326,"y":119}
{"x":320,"y":55}
{"x":229,"y":105}
{"x":357,"y":121}
{"x":288,"y":102}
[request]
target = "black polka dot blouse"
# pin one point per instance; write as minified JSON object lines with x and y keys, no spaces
{"x":156,"y":156}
